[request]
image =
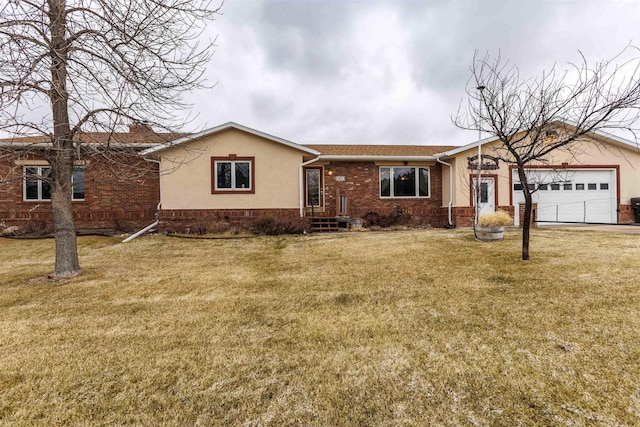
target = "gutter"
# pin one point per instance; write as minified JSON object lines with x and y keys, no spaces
{"x":377,"y":158}
{"x":18,"y":144}
{"x":449,"y":207}
{"x":301,"y":183}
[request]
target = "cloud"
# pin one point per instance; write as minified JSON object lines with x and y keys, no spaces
{"x":387,"y":72}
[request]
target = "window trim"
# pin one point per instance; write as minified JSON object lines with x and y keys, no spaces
{"x":417,"y":188}
{"x":233,"y":159}
{"x":40,"y":182}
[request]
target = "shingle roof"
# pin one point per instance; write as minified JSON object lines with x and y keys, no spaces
{"x":157,"y":141}
{"x":126,"y":138}
{"x":379,"y":150}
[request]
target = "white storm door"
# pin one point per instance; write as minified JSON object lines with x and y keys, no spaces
{"x":487,"y":201}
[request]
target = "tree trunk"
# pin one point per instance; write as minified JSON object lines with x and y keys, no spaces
{"x":528,"y":203}
{"x":67,"y":263}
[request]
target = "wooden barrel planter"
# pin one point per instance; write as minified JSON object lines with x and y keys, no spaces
{"x":489,"y":233}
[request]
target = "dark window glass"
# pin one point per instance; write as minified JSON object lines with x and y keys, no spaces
{"x":313,"y":187}
{"x":568,"y":187}
{"x":543,"y":187}
{"x":385,"y":182}
{"x":223,"y":175}
{"x":31,"y":192}
{"x":592,"y":186}
{"x":31,"y":183}
{"x":579,"y":186}
{"x":531,"y":187}
{"x":604,"y":186}
{"x":555,"y":187}
{"x":404,"y":182}
{"x":46,"y":188}
{"x":424,"y":182}
{"x":78,"y":183}
{"x":517,"y":186}
{"x":243,"y":179}
{"x":484,"y":192}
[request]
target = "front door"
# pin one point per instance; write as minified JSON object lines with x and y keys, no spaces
{"x":487,"y":200}
{"x":313,"y":187}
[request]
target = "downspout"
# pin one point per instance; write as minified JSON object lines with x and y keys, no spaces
{"x":450,"y":224}
{"x":301,"y":183}
{"x":144,"y":230}
{"x":156,"y":215}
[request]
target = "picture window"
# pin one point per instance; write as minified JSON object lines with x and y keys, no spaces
{"x":404,"y":181}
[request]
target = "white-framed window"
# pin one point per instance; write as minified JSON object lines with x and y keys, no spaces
{"x":77,"y":183}
{"x":37,"y":187}
{"x":404,"y":181}
{"x":232,"y":174}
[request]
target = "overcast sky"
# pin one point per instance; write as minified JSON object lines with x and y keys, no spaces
{"x":387,"y":72}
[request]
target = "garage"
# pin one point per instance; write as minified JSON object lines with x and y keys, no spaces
{"x":585,"y":195}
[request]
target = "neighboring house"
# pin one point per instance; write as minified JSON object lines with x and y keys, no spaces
{"x":237,"y":175}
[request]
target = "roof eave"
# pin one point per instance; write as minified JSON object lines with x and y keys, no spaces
{"x":226,"y":126}
{"x":88,"y":144}
{"x":373,"y":158}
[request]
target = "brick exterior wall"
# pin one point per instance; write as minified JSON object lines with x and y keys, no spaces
{"x":626,"y":215}
{"x":464,"y":216}
{"x":119,"y":197}
{"x":205,"y":220}
{"x":126,"y":200}
{"x":534,"y":215}
{"x":361,"y":186}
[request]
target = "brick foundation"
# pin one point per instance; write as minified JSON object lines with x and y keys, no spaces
{"x":205,"y":220}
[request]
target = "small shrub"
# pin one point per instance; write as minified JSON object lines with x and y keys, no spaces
{"x":397,"y":217}
{"x":372,"y":219}
{"x":270,"y":226}
{"x":495,"y":219}
{"x":217,"y":227}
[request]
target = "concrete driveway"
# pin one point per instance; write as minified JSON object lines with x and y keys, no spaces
{"x":620,"y":228}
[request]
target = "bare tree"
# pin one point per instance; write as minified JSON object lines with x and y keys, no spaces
{"x":85,"y":66}
{"x":534,"y":117}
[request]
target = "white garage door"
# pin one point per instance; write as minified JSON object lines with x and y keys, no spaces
{"x":576,"y":195}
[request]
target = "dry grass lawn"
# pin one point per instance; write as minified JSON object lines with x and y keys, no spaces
{"x":399,"y":328}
